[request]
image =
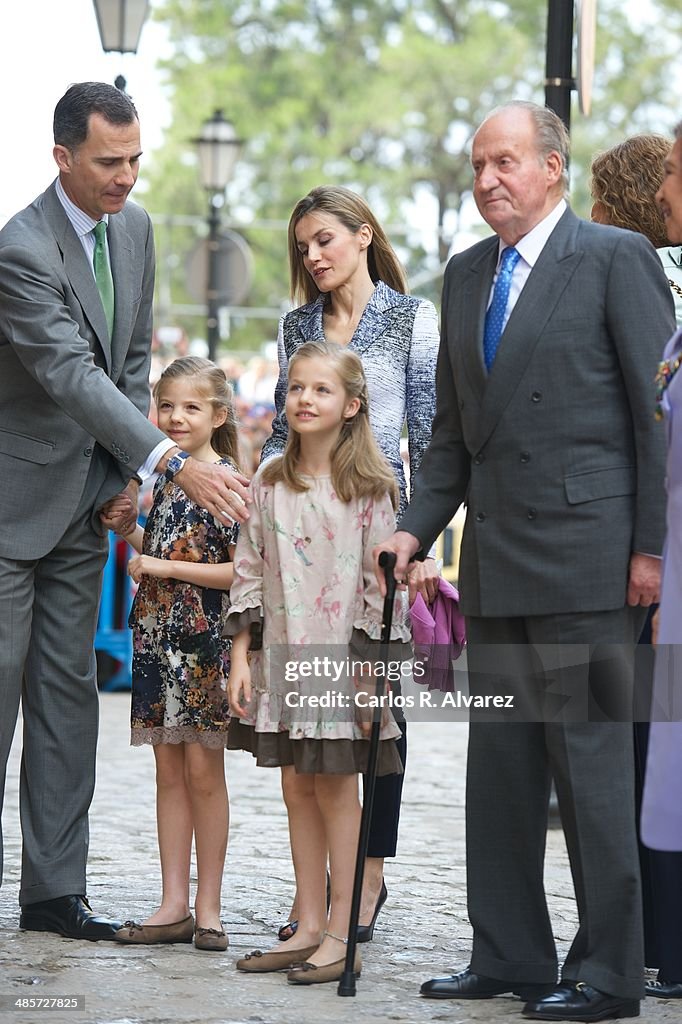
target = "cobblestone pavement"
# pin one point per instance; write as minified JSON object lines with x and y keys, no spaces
{"x":422,"y":931}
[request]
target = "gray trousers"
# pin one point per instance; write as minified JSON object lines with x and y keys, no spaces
{"x":48,"y":618}
{"x":572,"y":675}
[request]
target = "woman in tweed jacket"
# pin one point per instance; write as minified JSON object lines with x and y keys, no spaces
{"x":353,"y":287}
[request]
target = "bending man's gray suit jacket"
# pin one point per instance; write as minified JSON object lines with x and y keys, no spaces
{"x":68,"y":435}
{"x":556,"y":452}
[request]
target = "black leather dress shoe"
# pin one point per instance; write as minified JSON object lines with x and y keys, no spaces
{"x":70,"y":916}
{"x":579,"y":1001}
{"x":467,"y":985}
{"x":664,"y":989}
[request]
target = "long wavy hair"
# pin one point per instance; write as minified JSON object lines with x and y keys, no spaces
{"x":358,"y":469}
{"x":210,"y":382}
{"x":625,"y":180}
{"x":352,"y":211}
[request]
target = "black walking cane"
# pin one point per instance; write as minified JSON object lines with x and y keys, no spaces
{"x":347,"y":982}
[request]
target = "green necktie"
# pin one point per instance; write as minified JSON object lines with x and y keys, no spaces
{"x":105,"y":281}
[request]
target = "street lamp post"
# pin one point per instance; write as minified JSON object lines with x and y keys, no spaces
{"x":218,"y":148}
{"x":559,"y":81}
{"x":120,"y":27}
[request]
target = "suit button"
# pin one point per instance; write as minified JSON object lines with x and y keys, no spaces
{"x":480,"y":517}
{"x":524,"y":457}
{"x":478,"y":459}
{"x":532,"y":513}
{"x":87,"y":452}
{"x":536,"y":396}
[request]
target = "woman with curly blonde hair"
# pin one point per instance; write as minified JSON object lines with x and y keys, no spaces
{"x":625,"y":180}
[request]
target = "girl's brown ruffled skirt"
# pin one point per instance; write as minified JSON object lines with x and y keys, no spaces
{"x":310,"y":756}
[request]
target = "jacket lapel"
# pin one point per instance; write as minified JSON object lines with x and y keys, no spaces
{"x":78,"y":271}
{"x":310,"y":321}
{"x":374,"y":320}
{"x":473,"y":299}
{"x":372,"y":324}
{"x":529,"y":318}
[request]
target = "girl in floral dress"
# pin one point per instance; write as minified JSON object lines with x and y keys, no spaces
{"x":303,"y":568}
{"x":181,"y":661}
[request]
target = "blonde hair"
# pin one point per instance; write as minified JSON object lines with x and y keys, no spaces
{"x":352,"y":211}
{"x":211,"y":382}
{"x":359,"y":469}
{"x":625,"y":180}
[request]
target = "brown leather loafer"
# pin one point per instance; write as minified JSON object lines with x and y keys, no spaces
{"x":135,"y":934}
{"x":257,"y":962}
{"x":310,"y":974}
{"x":210,"y":938}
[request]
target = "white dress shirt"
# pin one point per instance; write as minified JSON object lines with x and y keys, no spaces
{"x":83,"y":224}
{"x":529,"y":248}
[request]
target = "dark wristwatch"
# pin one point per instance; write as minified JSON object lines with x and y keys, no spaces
{"x":175,"y":464}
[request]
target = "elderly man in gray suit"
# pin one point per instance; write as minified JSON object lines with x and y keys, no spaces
{"x":76,"y":286}
{"x":551,"y":442}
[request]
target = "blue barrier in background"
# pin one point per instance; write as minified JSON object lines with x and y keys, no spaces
{"x":114,"y":639}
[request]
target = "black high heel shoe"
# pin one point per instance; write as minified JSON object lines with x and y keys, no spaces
{"x":365,"y":932}
{"x":291,"y":927}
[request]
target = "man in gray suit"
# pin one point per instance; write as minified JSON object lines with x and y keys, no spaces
{"x":76,"y":287}
{"x":552,"y":443}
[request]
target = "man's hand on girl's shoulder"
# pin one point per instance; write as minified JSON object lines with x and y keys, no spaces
{"x":221,"y":491}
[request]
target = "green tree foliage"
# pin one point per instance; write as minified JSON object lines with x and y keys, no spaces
{"x":383,"y":97}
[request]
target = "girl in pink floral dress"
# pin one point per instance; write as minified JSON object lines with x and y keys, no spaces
{"x":181,"y":660}
{"x":304,"y":572}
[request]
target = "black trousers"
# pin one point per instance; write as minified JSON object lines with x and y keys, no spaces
{"x":383,"y":829}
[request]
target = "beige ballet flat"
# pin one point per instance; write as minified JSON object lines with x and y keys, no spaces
{"x":257,"y":962}
{"x":134,"y":934}
{"x":210,"y":939}
{"x":310,"y":974}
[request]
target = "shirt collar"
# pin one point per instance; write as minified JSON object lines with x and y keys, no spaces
{"x":673,"y":253}
{"x":532,"y":244}
{"x":81,"y":222}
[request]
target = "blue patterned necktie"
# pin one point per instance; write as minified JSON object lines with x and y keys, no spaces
{"x":494,"y":318}
{"x":103,"y":276}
